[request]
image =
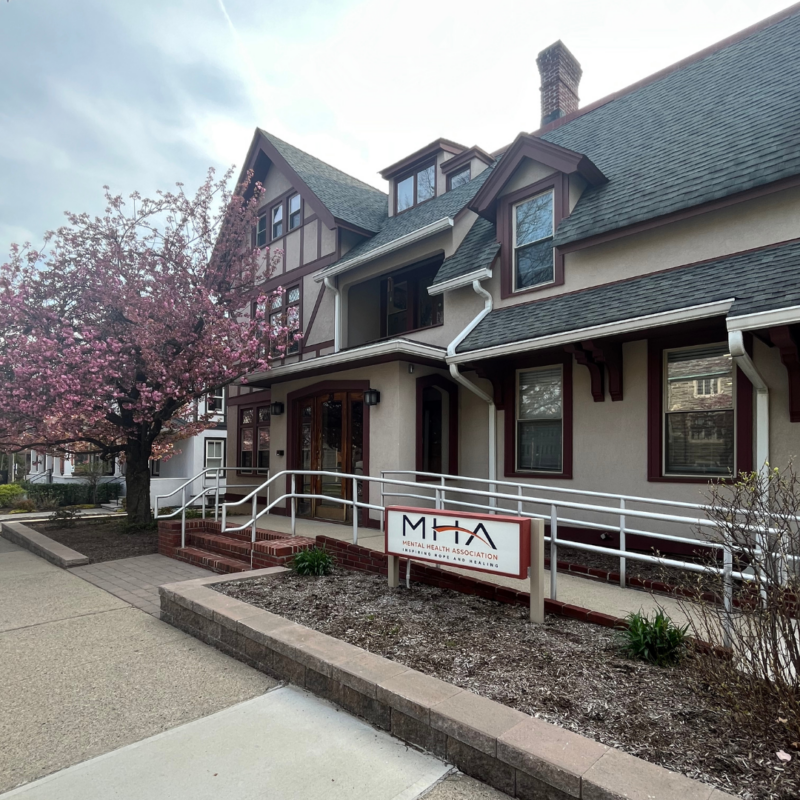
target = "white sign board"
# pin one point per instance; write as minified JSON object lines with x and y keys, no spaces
{"x":483,"y":542}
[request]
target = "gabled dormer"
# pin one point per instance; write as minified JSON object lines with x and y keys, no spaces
{"x":420,"y":177}
{"x":535,"y":186}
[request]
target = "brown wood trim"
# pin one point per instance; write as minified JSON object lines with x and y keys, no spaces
{"x":505,"y":232}
{"x":452,"y":392}
{"x":297,"y":273}
{"x":413,"y":172}
{"x":609,"y":353}
{"x":686,"y":213}
{"x":261,"y":397}
{"x":743,"y":406}
{"x":510,"y":414}
{"x":785,"y":338}
{"x":596,"y":372}
{"x":304,"y":344}
{"x":424,"y":153}
{"x":450,"y":175}
{"x":462,"y":159}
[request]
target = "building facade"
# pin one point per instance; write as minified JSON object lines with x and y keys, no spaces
{"x":610,"y":303}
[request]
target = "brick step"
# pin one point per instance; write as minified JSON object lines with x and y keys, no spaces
{"x":262,"y":534}
{"x":213,"y":561}
{"x":216,"y":543}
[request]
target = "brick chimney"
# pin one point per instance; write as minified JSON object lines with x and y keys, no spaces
{"x":561,"y":74}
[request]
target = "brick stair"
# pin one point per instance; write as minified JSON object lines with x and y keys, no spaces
{"x":233,"y":551}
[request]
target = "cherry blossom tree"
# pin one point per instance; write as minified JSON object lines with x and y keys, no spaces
{"x":113,"y":331}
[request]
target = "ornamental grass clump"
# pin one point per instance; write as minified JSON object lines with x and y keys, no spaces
{"x":657,"y":641}
{"x":313,"y":561}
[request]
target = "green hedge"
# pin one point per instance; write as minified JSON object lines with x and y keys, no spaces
{"x":74,"y":494}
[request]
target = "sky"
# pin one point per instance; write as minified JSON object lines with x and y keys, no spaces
{"x":141,"y":94}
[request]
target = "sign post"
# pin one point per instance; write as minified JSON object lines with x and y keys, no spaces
{"x":496,"y":544}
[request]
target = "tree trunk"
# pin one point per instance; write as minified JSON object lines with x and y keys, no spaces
{"x":137,"y":483}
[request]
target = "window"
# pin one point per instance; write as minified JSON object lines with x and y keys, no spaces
{"x":437,"y":426}
{"x":699,"y":411}
{"x":261,"y":231}
{"x":263,"y":438}
{"x":285,"y":312}
{"x":277,"y":221}
{"x":533,"y":241}
{"x":460,"y":177}
{"x":246,"y":439}
{"x":215,"y":401}
{"x":416,"y":188}
{"x":215,"y":454}
{"x":540,"y":420}
{"x":295,"y":209}
{"x":155,"y":467}
{"x":406,"y":301}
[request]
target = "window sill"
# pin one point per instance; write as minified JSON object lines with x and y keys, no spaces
{"x":689,"y":479}
{"x":545,"y":475}
{"x":558,"y":281}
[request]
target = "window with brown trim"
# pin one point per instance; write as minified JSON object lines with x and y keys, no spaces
{"x":277,"y":221}
{"x":295,"y":211}
{"x":247,"y":435}
{"x":405,"y":302}
{"x":262,"y":444}
{"x":437,"y":426}
{"x":285,"y":312}
{"x":416,"y":187}
{"x":260,"y":231}
{"x":459,"y":178}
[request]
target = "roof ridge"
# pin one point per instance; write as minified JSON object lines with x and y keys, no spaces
{"x":700,"y":55}
{"x":330,"y":166}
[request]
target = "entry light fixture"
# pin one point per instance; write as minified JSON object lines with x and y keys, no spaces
{"x":372,"y":397}
{"x":275,"y":409}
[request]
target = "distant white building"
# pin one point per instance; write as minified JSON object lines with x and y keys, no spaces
{"x":204,"y":451}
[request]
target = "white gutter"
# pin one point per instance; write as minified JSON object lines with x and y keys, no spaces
{"x":746,"y":365}
{"x":404,"y":347}
{"x":630,"y":325}
{"x":337,"y":314}
{"x":443,"y":224}
{"x":457,"y":376}
{"x":482,"y":274}
{"x":764,"y":319}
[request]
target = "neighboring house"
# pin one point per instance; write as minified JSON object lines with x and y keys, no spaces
{"x":587,"y":308}
{"x":204,"y":451}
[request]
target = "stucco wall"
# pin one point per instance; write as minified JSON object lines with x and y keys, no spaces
{"x":275,"y":184}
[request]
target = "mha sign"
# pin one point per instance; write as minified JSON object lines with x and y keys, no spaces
{"x":496,"y":544}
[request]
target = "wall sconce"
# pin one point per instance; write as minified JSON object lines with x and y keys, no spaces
{"x":372,"y":397}
{"x":275,"y":409}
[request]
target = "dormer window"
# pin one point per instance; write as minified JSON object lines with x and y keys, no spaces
{"x":459,"y":178}
{"x":295,"y":207}
{"x":533,"y":241}
{"x":277,"y":221}
{"x":416,"y":188}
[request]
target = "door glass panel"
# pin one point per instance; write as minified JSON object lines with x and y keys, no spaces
{"x":331,"y":449}
{"x":357,"y":441}
{"x":432,"y":439}
{"x":306,"y":427}
{"x":263,"y":449}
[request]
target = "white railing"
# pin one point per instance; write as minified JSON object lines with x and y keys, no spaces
{"x":444,"y":495}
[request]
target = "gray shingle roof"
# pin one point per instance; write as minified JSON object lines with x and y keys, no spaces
{"x":478,"y":250}
{"x":446,"y":205}
{"x":346,"y":197}
{"x":759,"y":281}
{"x":726,"y":123}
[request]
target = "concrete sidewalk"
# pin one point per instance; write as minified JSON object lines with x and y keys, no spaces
{"x":595,"y":595}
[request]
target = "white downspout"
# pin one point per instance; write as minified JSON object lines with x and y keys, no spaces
{"x":457,"y":376}
{"x":746,"y":365}
{"x":337,"y":314}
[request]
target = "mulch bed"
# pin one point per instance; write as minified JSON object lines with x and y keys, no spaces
{"x":101,"y":540}
{"x":564,"y":671}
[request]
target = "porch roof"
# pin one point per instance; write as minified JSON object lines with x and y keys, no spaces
{"x":742,"y":285}
{"x":364,"y":355}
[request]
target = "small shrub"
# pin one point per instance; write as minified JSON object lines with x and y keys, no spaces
{"x":657,"y":641}
{"x":9,"y":492}
{"x":46,"y":501}
{"x":65,"y":517}
{"x":313,"y":562}
{"x":23,"y":506}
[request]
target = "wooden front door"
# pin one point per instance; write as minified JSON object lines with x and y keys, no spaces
{"x":331,"y":438}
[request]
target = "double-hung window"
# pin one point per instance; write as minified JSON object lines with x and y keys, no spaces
{"x":261,"y":231}
{"x":533,"y":241}
{"x":277,"y":221}
{"x":246,"y":439}
{"x":285,"y":312}
{"x":295,"y":208}
{"x":416,"y":188}
{"x":540,"y":429}
{"x":215,"y":454}
{"x":699,"y":417}
{"x":263,"y":418}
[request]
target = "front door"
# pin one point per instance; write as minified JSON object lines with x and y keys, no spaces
{"x":331,"y":438}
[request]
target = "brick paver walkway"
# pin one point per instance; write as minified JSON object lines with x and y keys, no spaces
{"x":136,"y":580}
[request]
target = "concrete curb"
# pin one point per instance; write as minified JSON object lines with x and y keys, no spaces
{"x":41,"y":545}
{"x":520,"y":755}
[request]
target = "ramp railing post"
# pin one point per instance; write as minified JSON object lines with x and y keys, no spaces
{"x":183,"y":519}
{"x":355,"y":511}
{"x":294,"y":508}
{"x":622,"y":559}
{"x":727,"y":581}
{"x":553,"y":551}
{"x":537,"y":571}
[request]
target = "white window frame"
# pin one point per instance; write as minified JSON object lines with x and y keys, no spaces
{"x":277,"y":211}
{"x":514,"y":288}
{"x":215,"y":441}
{"x":517,"y":420}
{"x":299,"y":212}
{"x":665,"y":412}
